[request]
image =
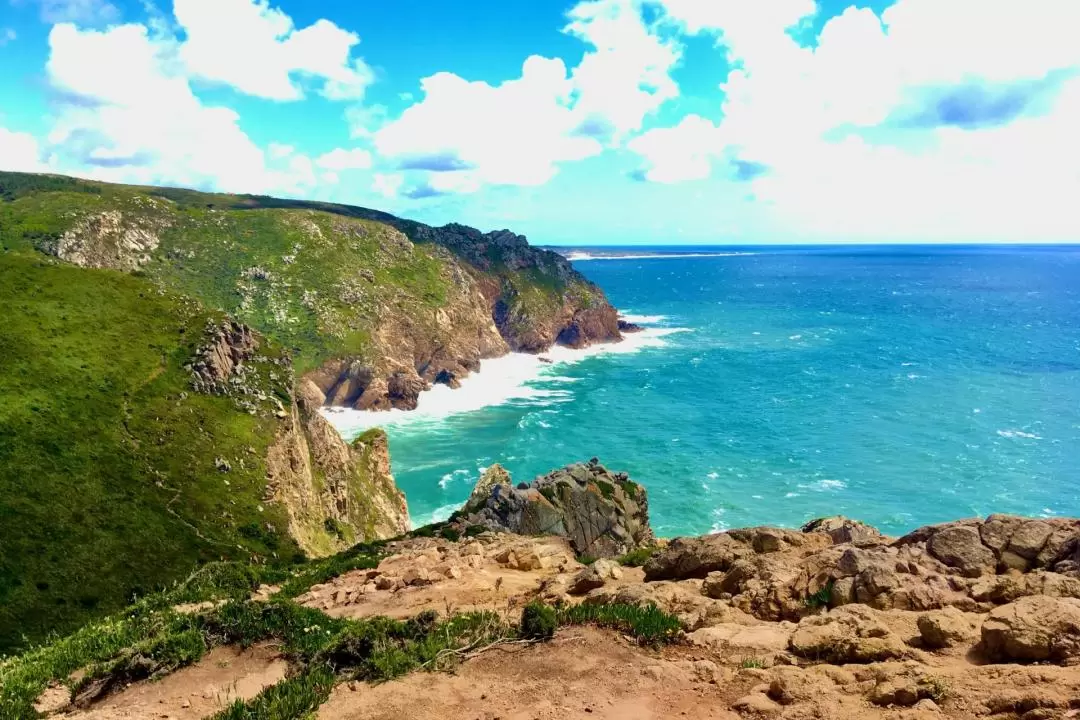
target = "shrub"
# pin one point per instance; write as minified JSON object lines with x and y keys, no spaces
{"x":290,"y":699}
{"x":648,"y":623}
{"x":821,"y":598}
{"x":637,"y":558}
{"x":538,"y":621}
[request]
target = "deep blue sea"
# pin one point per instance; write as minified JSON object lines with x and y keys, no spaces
{"x":900,"y":386}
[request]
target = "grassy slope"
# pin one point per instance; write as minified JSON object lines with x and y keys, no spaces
{"x":311,"y":280}
{"x":100,"y":456}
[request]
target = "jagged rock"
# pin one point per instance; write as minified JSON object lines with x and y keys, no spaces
{"x":602,"y":514}
{"x":844,"y":530}
{"x":227,"y":347}
{"x":595,"y":576}
{"x":1034,"y":629}
{"x":946,"y":628}
{"x":961,"y":547}
{"x":851,"y":634}
{"x":695,"y":557}
{"x":1000,"y":589}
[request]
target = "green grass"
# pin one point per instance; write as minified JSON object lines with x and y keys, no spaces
{"x":638,"y":558}
{"x":821,"y":598}
{"x":647,"y":623}
{"x":292,"y":699}
{"x":108,"y":483}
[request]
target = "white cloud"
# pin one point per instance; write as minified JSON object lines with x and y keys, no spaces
{"x":19,"y":152}
{"x":515,"y":133}
{"x":684,"y":152}
{"x":462,"y":135}
{"x":931,"y":121}
{"x":127,"y":113}
{"x":388,"y":184}
{"x":627,"y":74}
{"x":257,"y":49}
{"x":7,"y":35}
{"x":340,"y":159}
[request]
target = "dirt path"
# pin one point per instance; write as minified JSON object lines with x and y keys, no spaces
{"x":196,"y":692}
{"x":582,"y":673}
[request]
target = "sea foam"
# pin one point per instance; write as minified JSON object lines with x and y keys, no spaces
{"x":514,"y":377}
{"x":581,"y":256}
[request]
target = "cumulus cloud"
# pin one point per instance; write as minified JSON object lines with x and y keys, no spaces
{"x":626,"y":75}
{"x":125,"y":111}
{"x":19,"y":152}
{"x":464,"y":135}
{"x":341,"y":159}
{"x":515,"y":133}
{"x":258,"y":50}
{"x":7,"y":35}
{"x":928,"y":121}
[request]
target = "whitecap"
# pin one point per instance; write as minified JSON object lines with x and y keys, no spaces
{"x":713,"y":475}
{"x":583,"y":256}
{"x":795,"y":337}
{"x":824,"y":485}
{"x":517,"y":377}
{"x":643,"y":319}
{"x":1018,"y":434}
{"x":439,"y":514}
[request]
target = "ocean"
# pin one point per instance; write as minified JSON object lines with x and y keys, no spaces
{"x":897,"y":385}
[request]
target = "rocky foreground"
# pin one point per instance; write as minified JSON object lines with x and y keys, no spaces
{"x":978,"y":618}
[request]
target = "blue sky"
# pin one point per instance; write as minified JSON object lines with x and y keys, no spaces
{"x":579,"y":122}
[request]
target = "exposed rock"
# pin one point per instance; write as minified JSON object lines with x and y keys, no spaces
{"x":946,"y":628}
{"x":603,"y":514}
{"x":1034,"y":629}
{"x":757,"y":704}
{"x":327,"y":484}
{"x":851,"y":634}
{"x":226,"y":349}
{"x":844,"y":530}
{"x":111,"y":239}
{"x":696,"y":557}
{"x":595,"y":576}
{"x":961,"y":547}
{"x":903,"y":693}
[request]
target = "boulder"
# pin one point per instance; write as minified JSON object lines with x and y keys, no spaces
{"x":961,"y":547}
{"x":851,"y":634}
{"x":844,"y":530}
{"x":696,"y":557}
{"x":1034,"y":629}
{"x":595,"y":576}
{"x":946,"y":628}
{"x":602,"y":513}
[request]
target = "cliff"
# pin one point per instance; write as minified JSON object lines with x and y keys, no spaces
{"x":373,"y":308}
{"x":166,"y":356}
{"x":972,"y":619}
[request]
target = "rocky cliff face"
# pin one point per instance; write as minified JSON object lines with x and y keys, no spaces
{"x":601,"y":513}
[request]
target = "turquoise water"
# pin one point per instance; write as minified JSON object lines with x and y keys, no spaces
{"x":900,"y":387}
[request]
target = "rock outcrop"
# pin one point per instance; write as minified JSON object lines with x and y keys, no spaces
{"x":1034,"y":629}
{"x":336,"y":493}
{"x":971,"y":565}
{"x":602,"y":513}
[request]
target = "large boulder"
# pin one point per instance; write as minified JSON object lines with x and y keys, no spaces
{"x":696,"y":557}
{"x":851,"y":634}
{"x":844,"y":530}
{"x":602,"y":513}
{"x":1034,"y":629}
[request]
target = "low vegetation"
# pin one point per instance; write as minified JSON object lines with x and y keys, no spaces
{"x":638,"y":557}
{"x":154,"y":637}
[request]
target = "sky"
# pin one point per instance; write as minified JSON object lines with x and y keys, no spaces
{"x":579,"y":122}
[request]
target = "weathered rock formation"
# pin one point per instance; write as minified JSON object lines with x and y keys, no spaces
{"x":336,"y":493}
{"x":603,"y":514}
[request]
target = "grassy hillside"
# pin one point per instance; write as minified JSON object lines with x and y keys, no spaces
{"x":108,"y":463}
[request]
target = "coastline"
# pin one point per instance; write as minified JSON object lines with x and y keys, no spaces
{"x":502,"y":379}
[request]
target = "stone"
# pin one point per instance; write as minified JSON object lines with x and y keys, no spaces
{"x":898,"y":692}
{"x":946,"y":628}
{"x":695,"y":557}
{"x":844,"y":531}
{"x":1029,"y":539}
{"x":757,"y":703}
{"x":961,"y":547}
{"x":417,"y":576}
{"x":600,"y":514}
{"x":387,"y":582}
{"x":1034,"y":629}
{"x":850,"y":634}
{"x":595,"y":576}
